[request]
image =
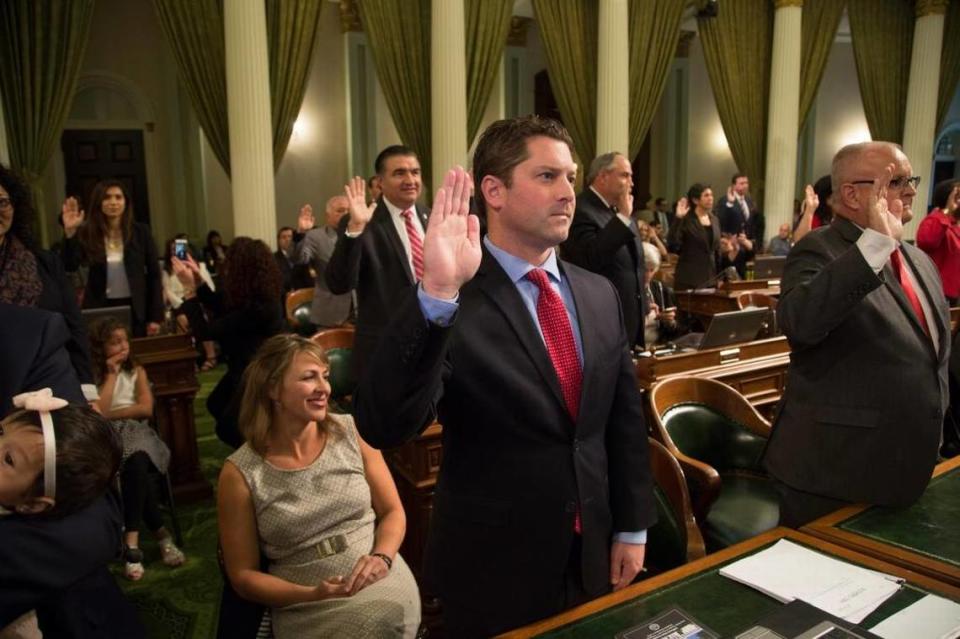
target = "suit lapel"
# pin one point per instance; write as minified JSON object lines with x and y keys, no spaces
{"x":382,"y":217}
{"x":493,"y":281}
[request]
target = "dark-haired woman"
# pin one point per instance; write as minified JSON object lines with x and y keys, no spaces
{"x":939,"y":236}
{"x":245,"y":310}
{"x":214,"y":252}
{"x":697,"y":238}
{"x":30,"y":276}
{"x":120,"y":253}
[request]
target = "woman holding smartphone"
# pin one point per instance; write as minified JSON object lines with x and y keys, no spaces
{"x":173,"y":292}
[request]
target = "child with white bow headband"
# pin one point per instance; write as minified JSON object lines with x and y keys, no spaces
{"x":55,"y":458}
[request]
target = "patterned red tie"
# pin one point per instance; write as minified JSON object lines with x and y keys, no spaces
{"x":416,"y":244}
{"x":552,"y":315}
{"x":897,"y":262}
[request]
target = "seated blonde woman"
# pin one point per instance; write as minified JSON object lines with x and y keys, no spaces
{"x":320,"y":503}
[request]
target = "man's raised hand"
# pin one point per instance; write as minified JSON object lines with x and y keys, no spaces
{"x":451,"y":245}
{"x":882,"y":216}
{"x":306,"y":220}
{"x":360,"y":211}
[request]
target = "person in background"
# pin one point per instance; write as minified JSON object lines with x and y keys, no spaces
{"x":121,"y":254}
{"x":649,"y":236}
{"x":736,"y":251}
{"x":696,"y":238}
{"x":737,"y":211}
{"x":780,"y":244}
{"x":173,"y":299}
{"x":314,"y":246}
{"x":815,"y":211}
{"x":214,"y":252}
{"x":939,"y":236}
{"x":295,"y":276}
{"x":660,"y":323}
{"x":374,"y":188}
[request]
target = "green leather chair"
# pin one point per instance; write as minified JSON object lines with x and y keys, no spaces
{"x":675,"y":539}
{"x":718,"y":438}
{"x":297,"y":305}
{"x":338,"y":344}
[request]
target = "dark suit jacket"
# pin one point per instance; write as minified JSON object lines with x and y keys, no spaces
{"x":733,"y":221}
{"x":862,"y":413}
{"x":514,"y":464}
{"x":58,"y":296}
{"x":143,"y":274}
{"x":601,"y":243}
{"x":376,"y":266}
{"x":56,"y":566}
{"x":698,"y":257}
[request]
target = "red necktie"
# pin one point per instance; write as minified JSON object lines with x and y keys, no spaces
{"x":552,"y":315}
{"x":416,"y":244}
{"x":897,"y":262}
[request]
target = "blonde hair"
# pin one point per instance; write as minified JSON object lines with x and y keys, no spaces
{"x":264,"y":375}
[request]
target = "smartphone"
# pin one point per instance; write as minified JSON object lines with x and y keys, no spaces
{"x":180,"y":249}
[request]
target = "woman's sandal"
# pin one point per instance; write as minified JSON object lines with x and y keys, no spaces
{"x":170,"y":554}
{"x":133,"y":564}
{"x":208,"y":364}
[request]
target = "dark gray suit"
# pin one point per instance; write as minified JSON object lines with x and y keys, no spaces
{"x":861,"y":417}
{"x":315,"y":249}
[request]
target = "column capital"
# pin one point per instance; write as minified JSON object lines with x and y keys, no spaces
{"x":931,"y":7}
{"x":780,"y":4}
{"x":349,"y":16}
{"x":517,"y":37}
{"x":683,"y":44}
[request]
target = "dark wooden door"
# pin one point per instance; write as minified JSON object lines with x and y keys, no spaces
{"x":91,"y":155}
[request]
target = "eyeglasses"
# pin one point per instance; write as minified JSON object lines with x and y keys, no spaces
{"x":5,"y":204}
{"x":896,"y":183}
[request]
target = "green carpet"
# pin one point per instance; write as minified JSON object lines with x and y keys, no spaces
{"x":184,"y":602}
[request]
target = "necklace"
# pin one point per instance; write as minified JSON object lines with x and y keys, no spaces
{"x":114,"y":244}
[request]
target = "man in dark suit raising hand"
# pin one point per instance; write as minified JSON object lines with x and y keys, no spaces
{"x":544,"y":494}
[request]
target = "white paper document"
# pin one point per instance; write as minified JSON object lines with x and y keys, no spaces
{"x":932,"y":616}
{"x":787,"y":571}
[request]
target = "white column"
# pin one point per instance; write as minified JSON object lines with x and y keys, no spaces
{"x":920,"y":122}
{"x":448,"y":86}
{"x":783,"y":125}
{"x":613,"y":78}
{"x":248,"y":109}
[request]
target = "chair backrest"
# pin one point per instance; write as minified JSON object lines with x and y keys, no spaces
{"x":298,"y":307}
{"x":675,"y":539}
{"x":709,"y":421}
{"x":338,"y":344}
{"x":750,"y":299}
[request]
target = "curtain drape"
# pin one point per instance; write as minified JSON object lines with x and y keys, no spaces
{"x":654,"y":31}
{"x":41,"y":49}
{"x":882,"y":34}
{"x":568,"y":29}
{"x":737,"y":46}
{"x":487,"y":27}
{"x":398,"y":33}
{"x":820,"y":21}
{"x":291,"y":35}
{"x":949,"y":61}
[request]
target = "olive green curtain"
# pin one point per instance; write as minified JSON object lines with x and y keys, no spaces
{"x":487,"y":26}
{"x":949,"y":60}
{"x":882,"y":34}
{"x":654,"y":31}
{"x":194,"y":30}
{"x":820,"y":21}
{"x":291,"y":33}
{"x":568,"y":29}
{"x":41,"y":49}
{"x":737,"y":46}
{"x":398,"y":32}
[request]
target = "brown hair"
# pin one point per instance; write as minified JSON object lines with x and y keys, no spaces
{"x":93,"y":231}
{"x":250,"y":274}
{"x":265,"y":374}
{"x":100,"y":333}
{"x":504,"y":145}
{"x":88,"y":456}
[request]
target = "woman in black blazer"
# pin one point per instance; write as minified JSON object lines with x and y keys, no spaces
{"x":120,"y":253}
{"x":696,"y":237}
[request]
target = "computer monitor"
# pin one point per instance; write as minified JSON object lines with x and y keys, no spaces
{"x":93,"y":315}
{"x":768,"y":267}
{"x":734,"y":327}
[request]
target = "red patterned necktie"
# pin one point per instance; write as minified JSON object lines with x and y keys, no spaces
{"x":897,"y":262}
{"x":416,"y":244}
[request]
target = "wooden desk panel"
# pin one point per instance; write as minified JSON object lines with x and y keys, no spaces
{"x":946,"y":569}
{"x":626,"y":608}
{"x":704,"y":305}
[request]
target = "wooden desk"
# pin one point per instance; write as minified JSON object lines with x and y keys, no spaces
{"x":701,"y":591}
{"x":708,"y":302}
{"x":757,"y":370}
{"x":169,"y":362}
{"x":890,"y":534}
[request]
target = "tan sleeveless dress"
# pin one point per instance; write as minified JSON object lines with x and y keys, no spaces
{"x":313,"y":524}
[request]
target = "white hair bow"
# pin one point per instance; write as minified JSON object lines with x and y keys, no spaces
{"x":43,"y":402}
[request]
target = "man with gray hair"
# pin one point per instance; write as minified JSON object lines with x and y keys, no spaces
{"x":869,"y":333}
{"x":314,"y":246}
{"x":604,"y":238}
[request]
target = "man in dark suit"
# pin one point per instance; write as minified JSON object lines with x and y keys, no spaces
{"x":737,"y":211}
{"x":604,"y":238}
{"x":57,"y":567}
{"x":294,"y":275}
{"x":379,"y":251}
{"x":869,"y":331}
{"x":544,"y":494}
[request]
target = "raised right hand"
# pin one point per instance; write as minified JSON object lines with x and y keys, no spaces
{"x":451,"y":245}
{"x":810,"y":201}
{"x":683,"y":207}
{"x":186,"y":271}
{"x":731,"y":196}
{"x":360,"y":211}
{"x":72,"y":216}
{"x":882,"y":216}
{"x":306,"y":220}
